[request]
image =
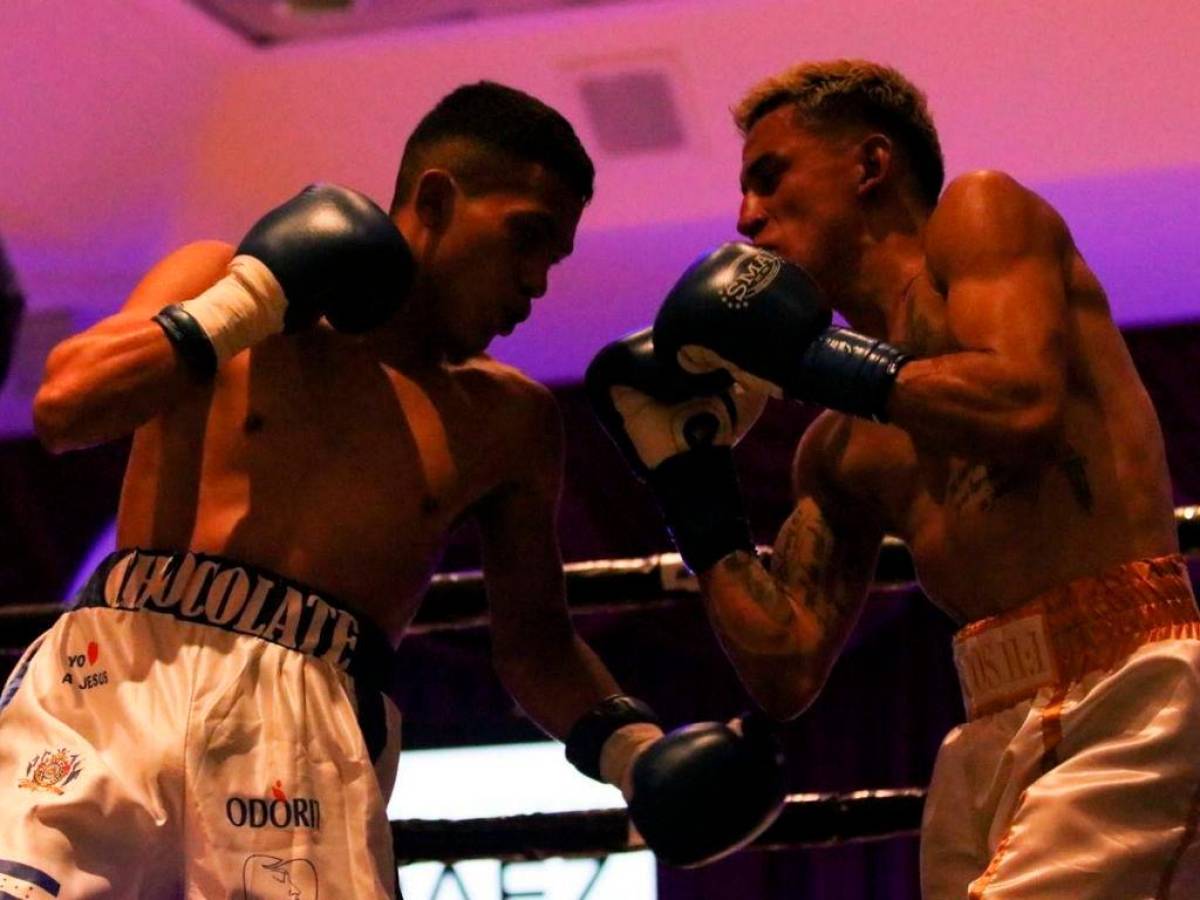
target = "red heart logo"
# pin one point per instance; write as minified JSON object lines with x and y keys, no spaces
{"x":93,"y":652}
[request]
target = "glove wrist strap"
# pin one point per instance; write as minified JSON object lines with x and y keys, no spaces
{"x":241,"y":309}
{"x":192,"y":346}
{"x":586,"y":741}
{"x":850,"y":372}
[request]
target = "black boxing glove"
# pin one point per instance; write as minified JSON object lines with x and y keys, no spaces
{"x":694,"y":795}
{"x":677,"y":431}
{"x":766,"y":321}
{"x":705,"y":790}
{"x":328,"y":251}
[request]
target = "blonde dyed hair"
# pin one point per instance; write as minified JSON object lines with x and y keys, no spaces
{"x":847,"y":92}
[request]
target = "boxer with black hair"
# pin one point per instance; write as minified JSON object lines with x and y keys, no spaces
{"x":313,"y":411}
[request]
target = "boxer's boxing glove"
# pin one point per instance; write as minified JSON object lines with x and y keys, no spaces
{"x":694,"y":795}
{"x":677,"y":431}
{"x":765,"y":321}
{"x":707,"y":789}
{"x":328,"y":251}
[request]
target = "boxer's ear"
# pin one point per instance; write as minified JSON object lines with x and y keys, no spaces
{"x":435,"y":197}
{"x":874,"y":162}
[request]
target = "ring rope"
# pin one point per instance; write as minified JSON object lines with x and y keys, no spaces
{"x":457,"y":599}
{"x":807,"y":820}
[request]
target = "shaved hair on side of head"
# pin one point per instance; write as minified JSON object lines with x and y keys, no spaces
{"x":480,"y":132}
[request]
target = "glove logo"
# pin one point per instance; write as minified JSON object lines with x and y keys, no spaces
{"x":753,"y":275}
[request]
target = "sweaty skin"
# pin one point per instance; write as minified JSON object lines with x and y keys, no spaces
{"x":1023,"y":450}
{"x":345,"y":461}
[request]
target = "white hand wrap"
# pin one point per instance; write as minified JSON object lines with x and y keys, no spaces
{"x":621,"y":750}
{"x":241,"y":309}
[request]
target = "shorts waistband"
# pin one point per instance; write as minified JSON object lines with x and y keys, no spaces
{"x":231,"y":595}
{"x":1087,"y":625}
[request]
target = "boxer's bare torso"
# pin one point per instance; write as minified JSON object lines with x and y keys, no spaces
{"x":1024,"y":451}
{"x":341,"y":461}
{"x":987,"y":532}
{"x":323,"y":460}
{"x":345,"y":461}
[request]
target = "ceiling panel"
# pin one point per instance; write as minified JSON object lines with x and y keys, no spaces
{"x":283,"y":21}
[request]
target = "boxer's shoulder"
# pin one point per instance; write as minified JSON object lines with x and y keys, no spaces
{"x":982,"y":191}
{"x":988,"y":217}
{"x":498,"y":382}
{"x":508,"y":398}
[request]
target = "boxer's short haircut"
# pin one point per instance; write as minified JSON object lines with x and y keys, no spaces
{"x":479,"y":130}
{"x":842,"y":92}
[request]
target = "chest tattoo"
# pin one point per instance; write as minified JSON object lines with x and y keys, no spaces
{"x":1074,"y":468}
{"x":976,"y":488}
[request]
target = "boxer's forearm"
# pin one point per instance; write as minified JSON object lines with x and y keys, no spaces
{"x":776,"y":643}
{"x":103,"y":383}
{"x":974,"y":401}
{"x":556,"y":682}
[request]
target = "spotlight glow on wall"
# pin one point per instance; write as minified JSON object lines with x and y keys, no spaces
{"x":509,"y":780}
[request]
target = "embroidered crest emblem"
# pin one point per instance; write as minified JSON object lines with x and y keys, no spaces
{"x":51,"y":771}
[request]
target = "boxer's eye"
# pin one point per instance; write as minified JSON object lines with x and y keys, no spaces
{"x":532,"y":235}
{"x":526,"y":235}
{"x":763,"y":177}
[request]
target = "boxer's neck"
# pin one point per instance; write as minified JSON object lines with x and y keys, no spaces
{"x":876,"y":294}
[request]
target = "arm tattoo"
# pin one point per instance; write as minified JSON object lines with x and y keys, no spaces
{"x":739,"y":616}
{"x":802,"y":551}
{"x":803,"y":555}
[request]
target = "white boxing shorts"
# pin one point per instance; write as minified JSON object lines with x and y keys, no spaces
{"x":195,"y":727}
{"x":1077,"y":773}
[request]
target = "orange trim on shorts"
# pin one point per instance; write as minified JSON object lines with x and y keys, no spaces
{"x":1052,"y":729}
{"x":1087,"y":625}
{"x":976,"y":888}
{"x":1189,"y":834}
